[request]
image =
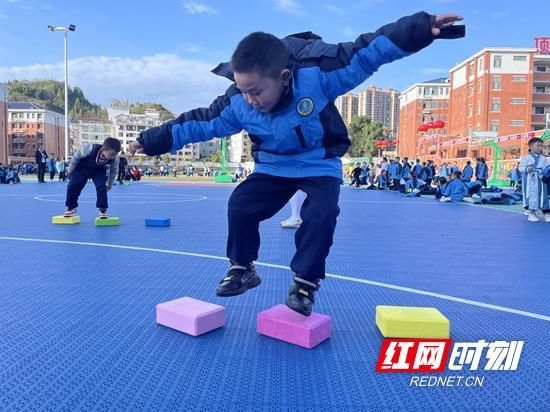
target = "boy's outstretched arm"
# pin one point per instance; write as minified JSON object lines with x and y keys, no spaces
{"x":197,"y":125}
{"x":345,"y":66}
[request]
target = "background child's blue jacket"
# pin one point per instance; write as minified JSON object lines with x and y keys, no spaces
{"x":304,"y":135}
{"x":456,"y":190}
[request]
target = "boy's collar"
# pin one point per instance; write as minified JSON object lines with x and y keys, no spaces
{"x":285,"y":100}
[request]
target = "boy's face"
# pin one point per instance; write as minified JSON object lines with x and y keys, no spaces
{"x":107,"y":154}
{"x":260,"y":91}
{"x":536,"y":147}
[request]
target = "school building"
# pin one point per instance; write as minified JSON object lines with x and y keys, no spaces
{"x":3,"y":123}
{"x":497,"y":100}
{"x":31,"y":126}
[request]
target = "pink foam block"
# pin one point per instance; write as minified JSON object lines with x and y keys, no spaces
{"x":284,"y":324}
{"x":190,"y":316}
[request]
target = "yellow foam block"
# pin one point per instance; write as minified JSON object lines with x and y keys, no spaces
{"x":107,"y":221}
{"x":62,"y":220}
{"x":412,"y":322}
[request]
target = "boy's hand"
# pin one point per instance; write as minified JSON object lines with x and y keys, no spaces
{"x":135,"y":147}
{"x":443,"y":21}
{"x":530,"y":169}
{"x":109,"y":187}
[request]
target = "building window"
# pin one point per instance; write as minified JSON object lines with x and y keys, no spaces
{"x":520,"y":58}
{"x":517,"y":123}
{"x":518,"y":100}
{"x":479,"y":85}
{"x":478,"y":107}
{"x":519,"y":78}
{"x":480,"y":64}
{"x":494,"y":125}
{"x":469,"y":110}
{"x":470,"y":90}
{"x":539,"y":109}
{"x":469,"y":131}
{"x":495,"y":104}
{"x":542,"y":69}
{"x":497,"y":83}
{"x":540,"y":89}
{"x":497,"y":61}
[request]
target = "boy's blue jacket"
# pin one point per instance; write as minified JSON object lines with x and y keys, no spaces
{"x":304,"y":135}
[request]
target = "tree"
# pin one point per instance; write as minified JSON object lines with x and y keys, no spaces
{"x":215,"y":157}
{"x":363,"y":133}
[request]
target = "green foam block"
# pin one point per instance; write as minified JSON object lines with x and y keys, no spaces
{"x":107,"y":221}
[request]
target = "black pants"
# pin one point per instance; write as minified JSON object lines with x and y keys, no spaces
{"x":52,"y":174}
{"x":355,"y":181}
{"x":261,"y":196}
{"x":78,"y":181}
{"x":40,"y":172}
{"x":396,"y":185}
{"x":483,"y":181}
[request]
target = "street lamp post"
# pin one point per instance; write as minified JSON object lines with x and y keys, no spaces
{"x":71,"y":27}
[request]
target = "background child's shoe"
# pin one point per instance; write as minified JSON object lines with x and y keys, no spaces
{"x":291,"y":223}
{"x":532,"y":217}
{"x":70,"y":213}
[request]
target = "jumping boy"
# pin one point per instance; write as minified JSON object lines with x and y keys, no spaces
{"x":283,"y":95}
{"x":97,"y":162}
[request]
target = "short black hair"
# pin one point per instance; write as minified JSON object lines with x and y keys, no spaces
{"x":112,"y":143}
{"x":442,"y":180}
{"x":262,"y":52}
{"x":534,"y":140}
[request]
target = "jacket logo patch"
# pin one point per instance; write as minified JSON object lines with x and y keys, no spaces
{"x":305,"y":106}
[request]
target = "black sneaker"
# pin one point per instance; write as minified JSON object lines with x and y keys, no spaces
{"x":238,"y":280}
{"x":301,"y":295}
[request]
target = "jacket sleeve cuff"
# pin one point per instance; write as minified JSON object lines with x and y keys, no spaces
{"x":156,"y":140}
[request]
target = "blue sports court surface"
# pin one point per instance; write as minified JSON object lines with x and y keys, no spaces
{"x":77,"y":318}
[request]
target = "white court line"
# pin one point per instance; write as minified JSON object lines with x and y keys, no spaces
{"x":119,"y":198}
{"x":330,"y":275}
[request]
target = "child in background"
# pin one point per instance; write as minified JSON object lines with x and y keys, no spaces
{"x":356,"y":174}
{"x":296,"y":202}
{"x":535,"y":191}
{"x":96,"y":162}
{"x":455,"y":190}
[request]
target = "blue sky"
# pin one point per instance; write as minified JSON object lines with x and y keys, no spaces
{"x":162,"y":51}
